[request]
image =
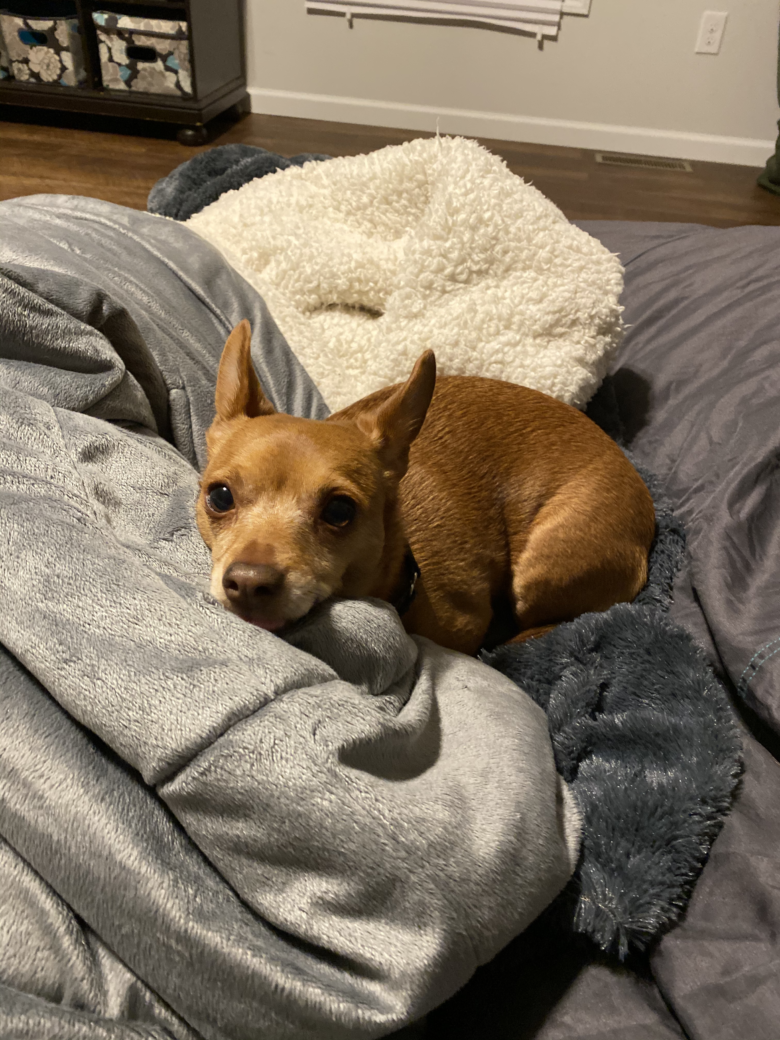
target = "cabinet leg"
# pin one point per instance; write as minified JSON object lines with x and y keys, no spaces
{"x":240,"y":109}
{"x":192,"y":135}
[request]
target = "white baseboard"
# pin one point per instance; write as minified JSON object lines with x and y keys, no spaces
{"x":675,"y":144}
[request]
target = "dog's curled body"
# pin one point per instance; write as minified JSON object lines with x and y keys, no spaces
{"x":512,"y":498}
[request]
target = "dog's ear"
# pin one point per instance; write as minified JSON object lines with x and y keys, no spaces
{"x":394,"y":424}
{"x":238,"y":388}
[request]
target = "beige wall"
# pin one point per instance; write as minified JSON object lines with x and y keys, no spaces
{"x":630,"y":65}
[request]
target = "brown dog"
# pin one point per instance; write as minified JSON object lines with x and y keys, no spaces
{"x":506,"y":496}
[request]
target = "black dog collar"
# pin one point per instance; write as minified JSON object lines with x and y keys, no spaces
{"x":408,"y":584}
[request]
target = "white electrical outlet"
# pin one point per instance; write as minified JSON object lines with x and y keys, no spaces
{"x":711,"y":32}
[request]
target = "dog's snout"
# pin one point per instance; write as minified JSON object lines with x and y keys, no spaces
{"x":247,"y":583}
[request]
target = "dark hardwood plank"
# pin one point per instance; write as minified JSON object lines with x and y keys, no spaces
{"x":120,"y":162}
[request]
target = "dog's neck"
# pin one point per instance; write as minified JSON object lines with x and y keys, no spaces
{"x":398,"y":572}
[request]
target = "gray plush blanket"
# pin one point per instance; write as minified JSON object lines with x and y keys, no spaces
{"x":205,"y":830}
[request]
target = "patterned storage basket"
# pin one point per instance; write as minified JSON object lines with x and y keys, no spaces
{"x":151,"y":55}
{"x":43,"y":50}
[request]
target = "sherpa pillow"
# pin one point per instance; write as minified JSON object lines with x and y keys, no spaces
{"x":366,"y":261}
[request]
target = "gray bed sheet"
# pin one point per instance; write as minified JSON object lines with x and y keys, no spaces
{"x":697,"y":382}
{"x":698,"y":386}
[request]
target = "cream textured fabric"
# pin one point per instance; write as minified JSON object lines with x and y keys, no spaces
{"x":366,"y":261}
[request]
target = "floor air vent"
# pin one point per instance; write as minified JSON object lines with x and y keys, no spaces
{"x":643,"y":162}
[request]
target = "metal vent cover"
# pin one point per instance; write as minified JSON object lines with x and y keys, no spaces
{"x":643,"y":162}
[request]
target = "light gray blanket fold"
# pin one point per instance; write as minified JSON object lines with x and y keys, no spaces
{"x":206,"y":830}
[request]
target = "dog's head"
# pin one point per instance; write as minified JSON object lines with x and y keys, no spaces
{"x":297,"y":510}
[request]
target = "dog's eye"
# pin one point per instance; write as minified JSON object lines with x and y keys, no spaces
{"x":219,"y":498}
{"x":340,"y":511}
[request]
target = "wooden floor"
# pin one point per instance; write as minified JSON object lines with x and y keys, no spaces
{"x":80,"y":156}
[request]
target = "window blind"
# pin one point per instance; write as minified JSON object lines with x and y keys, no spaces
{"x":540,"y":17}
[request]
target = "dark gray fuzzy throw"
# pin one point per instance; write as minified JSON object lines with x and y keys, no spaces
{"x":201,"y":180}
{"x":644,"y":732}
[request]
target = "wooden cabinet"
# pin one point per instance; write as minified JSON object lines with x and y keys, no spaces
{"x":215,"y":34}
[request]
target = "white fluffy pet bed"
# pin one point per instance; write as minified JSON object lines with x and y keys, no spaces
{"x":367,"y":261}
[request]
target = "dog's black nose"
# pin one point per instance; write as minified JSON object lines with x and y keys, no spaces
{"x":248,"y":584}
